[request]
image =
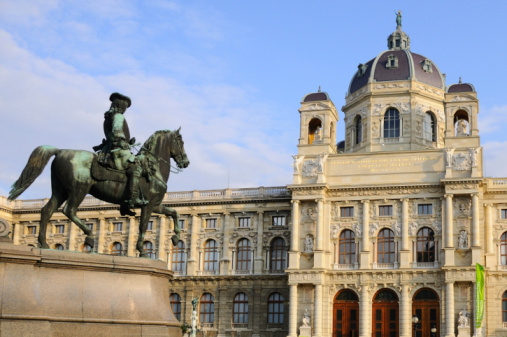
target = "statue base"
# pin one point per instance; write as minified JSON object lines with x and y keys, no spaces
{"x":61,"y":293}
{"x":463,"y":331}
{"x":305,"y":331}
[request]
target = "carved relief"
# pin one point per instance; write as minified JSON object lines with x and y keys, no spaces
{"x":375,"y":129}
{"x":461,"y":162}
{"x":462,"y":206}
{"x":310,"y":168}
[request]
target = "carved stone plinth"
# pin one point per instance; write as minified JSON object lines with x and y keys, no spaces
{"x":305,"y":331}
{"x":60,"y":293}
{"x":463,"y":331}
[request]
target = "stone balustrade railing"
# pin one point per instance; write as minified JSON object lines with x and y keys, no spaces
{"x":496,"y":183}
{"x":267,"y":192}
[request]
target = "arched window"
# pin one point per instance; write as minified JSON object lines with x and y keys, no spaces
{"x":391,"y":123}
{"x":347,"y":250}
{"x":207,"y":308}
{"x":148,"y":248}
{"x":314,"y":131}
{"x":503,"y":249}
{"x":425,"y":245}
{"x":429,"y":127}
{"x":210,"y":256}
{"x":243,"y":255}
{"x":275,"y":309}
{"x":58,"y":246}
{"x":86,"y":248}
{"x":358,"y":130}
{"x":277,"y":257}
{"x":178,"y":258}
{"x":504,"y":307}
{"x":117,"y":249}
{"x":385,"y":246}
{"x":175,"y":300}
{"x":240,"y":309}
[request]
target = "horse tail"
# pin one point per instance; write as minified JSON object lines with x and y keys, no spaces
{"x":36,"y":163}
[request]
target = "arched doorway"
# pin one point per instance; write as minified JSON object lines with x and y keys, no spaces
{"x":426,"y":306}
{"x":346,"y":314}
{"x":385,"y":314}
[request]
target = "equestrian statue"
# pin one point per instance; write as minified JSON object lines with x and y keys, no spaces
{"x":114,"y":175}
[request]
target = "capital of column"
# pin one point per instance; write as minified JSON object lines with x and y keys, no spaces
{"x":476,"y":195}
{"x":488,"y":204}
{"x":404,"y":200}
{"x":448,"y":196}
{"x":295,"y":202}
{"x":366,"y":201}
{"x":260,"y":212}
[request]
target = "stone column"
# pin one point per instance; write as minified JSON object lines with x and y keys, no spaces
{"x":317,"y":319}
{"x":192,"y":266}
{"x":449,"y":308}
{"x":405,"y":312}
{"x":72,"y":235}
{"x":16,"y":233}
{"x":259,"y":261}
{"x":101,"y":232}
{"x":293,"y":310}
{"x":449,"y":223}
{"x":476,"y":242}
{"x":364,"y":312}
{"x":131,"y":245}
{"x":294,"y":244}
{"x":224,"y":268}
{"x":364,"y":261}
{"x":405,"y":249}
{"x":320,"y":225}
{"x":161,"y":238}
{"x":489,"y":230}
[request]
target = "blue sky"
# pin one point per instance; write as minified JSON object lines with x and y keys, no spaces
{"x":230,"y":73}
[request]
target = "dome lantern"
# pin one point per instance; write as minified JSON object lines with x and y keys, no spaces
{"x":398,"y":39}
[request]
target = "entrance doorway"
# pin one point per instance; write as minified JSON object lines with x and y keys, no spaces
{"x":346,"y":314}
{"x":385,"y":314}
{"x":426,"y":306}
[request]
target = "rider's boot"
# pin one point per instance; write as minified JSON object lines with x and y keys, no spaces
{"x":133,"y":188}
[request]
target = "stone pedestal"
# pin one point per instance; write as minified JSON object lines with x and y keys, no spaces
{"x":61,"y":293}
{"x":404,"y":259}
{"x":305,"y":331}
{"x":463,"y":331}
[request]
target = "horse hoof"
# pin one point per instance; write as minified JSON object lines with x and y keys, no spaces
{"x":175,"y":239}
{"x":90,"y":241}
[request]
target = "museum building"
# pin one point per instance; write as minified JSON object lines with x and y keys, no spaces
{"x":375,"y":230}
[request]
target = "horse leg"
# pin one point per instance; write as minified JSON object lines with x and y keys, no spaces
{"x":45,"y":214}
{"x":168,"y":211}
{"x":143,"y":225}
{"x":70,"y":211}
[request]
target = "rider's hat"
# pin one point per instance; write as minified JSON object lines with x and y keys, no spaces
{"x":117,"y":96}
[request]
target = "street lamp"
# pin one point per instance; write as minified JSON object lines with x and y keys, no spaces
{"x":415,"y":321}
{"x":433,"y":331}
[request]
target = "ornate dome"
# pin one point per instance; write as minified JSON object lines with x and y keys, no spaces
{"x":460,"y":87}
{"x":316,"y":96}
{"x":397,"y":63}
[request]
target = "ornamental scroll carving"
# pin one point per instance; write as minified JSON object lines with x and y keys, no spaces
{"x":311,"y":168}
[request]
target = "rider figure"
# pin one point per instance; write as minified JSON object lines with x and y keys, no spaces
{"x":115,"y":151}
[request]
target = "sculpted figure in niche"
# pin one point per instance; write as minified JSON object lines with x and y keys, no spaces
{"x":309,"y":244}
{"x":462,"y":126}
{"x":463,"y":320}
{"x":463,"y":240}
{"x":306,"y":319}
{"x":449,"y":153}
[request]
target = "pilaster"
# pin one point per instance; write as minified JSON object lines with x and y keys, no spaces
{"x":404,"y":252}
{"x":131,"y":237}
{"x":101,"y":232}
{"x":293,"y":310}
{"x":162,"y":221}
{"x":192,"y":262}
{"x":259,"y":261}
{"x":294,"y":249}
{"x":449,"y":308}
{"x":364,"y":255}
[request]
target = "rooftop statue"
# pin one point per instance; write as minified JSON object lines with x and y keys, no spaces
{"x":398,"y":19}
{"x":114,"y":175}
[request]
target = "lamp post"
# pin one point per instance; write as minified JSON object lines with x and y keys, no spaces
{"x":415,"y":322}
{"x":433,"y":331}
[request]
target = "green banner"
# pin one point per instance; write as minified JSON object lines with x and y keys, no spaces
{"x":479,"y":295}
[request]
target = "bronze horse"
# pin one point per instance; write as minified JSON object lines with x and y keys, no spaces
{"x":72,"y":180}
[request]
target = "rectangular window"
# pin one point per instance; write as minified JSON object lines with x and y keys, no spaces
{"x":117,"y":226}
{"x":182,"y":223}
{"x":425,"y":209}
{"x":90,"y":225}
{"x":149,"y":227}
{"x":244,"y":222}
{"x":346,"y":212}
{"x":278,"y":221}
{"x":60,"y":229}
{"x":386,"y":210}
{"x":504,"y":213}
{"x":31,"y":230}
{"x":211,"y":223}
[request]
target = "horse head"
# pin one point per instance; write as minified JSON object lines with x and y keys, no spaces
{"x":178,"y":151}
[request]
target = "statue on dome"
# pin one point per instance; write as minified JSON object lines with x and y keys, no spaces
{"x":398,"y":19}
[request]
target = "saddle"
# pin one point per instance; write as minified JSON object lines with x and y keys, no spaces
{"x":102,"y":173}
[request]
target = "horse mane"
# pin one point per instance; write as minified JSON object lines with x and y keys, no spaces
{"x":149,"y":144}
